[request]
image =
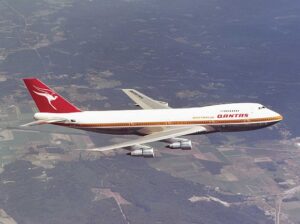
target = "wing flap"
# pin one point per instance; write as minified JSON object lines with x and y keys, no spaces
{"x":144,"y":101}
{"x":158,"y":136}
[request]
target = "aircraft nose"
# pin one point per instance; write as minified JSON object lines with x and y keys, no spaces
{"x":278,"y":116}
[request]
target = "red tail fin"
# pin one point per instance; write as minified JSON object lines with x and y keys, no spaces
{"x":46,"y":99}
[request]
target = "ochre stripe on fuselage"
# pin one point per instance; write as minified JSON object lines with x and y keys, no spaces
{"x":174,"y":123}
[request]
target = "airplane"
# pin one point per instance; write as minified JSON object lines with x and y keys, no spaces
{"x":155,"y":121}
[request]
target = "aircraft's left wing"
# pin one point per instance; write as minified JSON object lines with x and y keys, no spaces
{"x":144,"y":101}
{"x":157,"y":136}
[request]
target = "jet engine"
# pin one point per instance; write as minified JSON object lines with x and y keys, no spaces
{"x":144,"y":151}
{"x":184,"y":145}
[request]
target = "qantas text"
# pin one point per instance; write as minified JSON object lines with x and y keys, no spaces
{"x":232,"y":115}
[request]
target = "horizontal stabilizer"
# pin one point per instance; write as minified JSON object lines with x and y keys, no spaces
{"x":39,"y":122}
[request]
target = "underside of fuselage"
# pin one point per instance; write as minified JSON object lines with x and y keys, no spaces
{"x":242,"y":127}
{"x":148,"y":130}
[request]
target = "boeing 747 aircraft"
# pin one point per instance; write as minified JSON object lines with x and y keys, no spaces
{"x":156,"y":121}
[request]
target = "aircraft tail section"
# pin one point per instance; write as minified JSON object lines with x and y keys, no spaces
{"x":46,"y":99}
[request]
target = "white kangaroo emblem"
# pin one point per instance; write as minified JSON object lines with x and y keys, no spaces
{"x":48,"y":94}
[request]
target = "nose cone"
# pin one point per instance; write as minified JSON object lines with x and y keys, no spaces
{"x":277,"y":116}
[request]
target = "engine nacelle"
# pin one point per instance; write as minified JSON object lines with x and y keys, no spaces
{"x":145,"y":152}
{"x":184,"y":145}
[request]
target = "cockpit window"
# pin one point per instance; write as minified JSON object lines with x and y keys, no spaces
{"x":262,"y":107}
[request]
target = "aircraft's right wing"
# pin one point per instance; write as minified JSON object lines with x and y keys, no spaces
{"x":157,"y":136}
{"x":144,"y":101}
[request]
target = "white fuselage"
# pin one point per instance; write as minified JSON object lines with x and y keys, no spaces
{"x":224,"y":117}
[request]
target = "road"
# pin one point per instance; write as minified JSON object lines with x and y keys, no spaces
{"x":278,"y":202}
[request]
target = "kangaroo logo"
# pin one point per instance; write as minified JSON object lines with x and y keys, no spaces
{"x":47,"y":93}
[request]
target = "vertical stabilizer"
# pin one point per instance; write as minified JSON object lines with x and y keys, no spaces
{"x":46,"y":99}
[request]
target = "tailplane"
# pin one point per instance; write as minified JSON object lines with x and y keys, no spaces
{"x":46,"y":99}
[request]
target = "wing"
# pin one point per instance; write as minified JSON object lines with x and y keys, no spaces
{"x":144,"y":101}
{"x":157,"y":136}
